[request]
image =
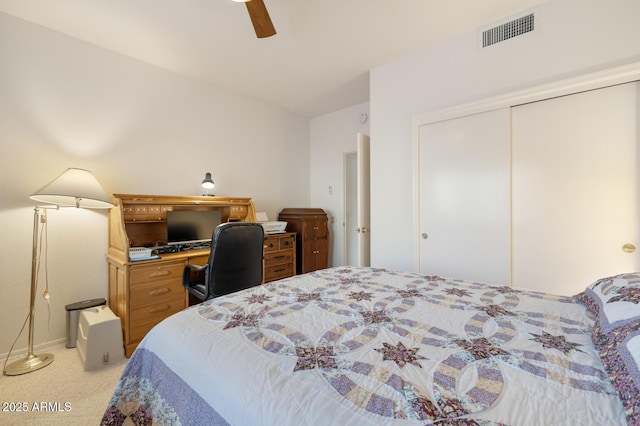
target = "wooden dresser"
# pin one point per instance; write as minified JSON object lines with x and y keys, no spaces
{"x":279,"y":256}
{"x":312,"y":243}
{"x":143,"y":293}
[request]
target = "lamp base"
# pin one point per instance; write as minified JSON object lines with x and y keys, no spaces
{"x":28,"y":364}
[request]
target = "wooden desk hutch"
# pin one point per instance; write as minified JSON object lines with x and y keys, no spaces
{"x":143,"y":293}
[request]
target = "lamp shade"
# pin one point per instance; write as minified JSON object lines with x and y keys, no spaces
{"x":74,"y":188}
{"x":207,"y":183}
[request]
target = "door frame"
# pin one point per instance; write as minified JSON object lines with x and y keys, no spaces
{"x":596,"y":80}
{"x":350,"y":190}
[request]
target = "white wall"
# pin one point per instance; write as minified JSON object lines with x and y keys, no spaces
{"x":65,"y":103}
{"x":331,"y":137}
{"x":572,"y":37}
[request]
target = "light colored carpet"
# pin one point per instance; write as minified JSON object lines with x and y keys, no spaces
{"x":81,"y":397}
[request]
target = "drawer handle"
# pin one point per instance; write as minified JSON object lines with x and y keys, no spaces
{"x":160,"y":309}
{"x":279,"y":270}
{"x":159,"y":273}
{"x":279,"y":257}
{"x":159,"y":291}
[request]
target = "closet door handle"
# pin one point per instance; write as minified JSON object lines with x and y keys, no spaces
{"x":628,"y":248}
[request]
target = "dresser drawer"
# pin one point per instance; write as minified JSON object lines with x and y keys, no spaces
{"x":156,"y":272}
{"x":276,"y":272}
{"x":287,"y":242}
{"x":271,"y":243}
{"x":278,"y":242}
{"x":278,"y":258}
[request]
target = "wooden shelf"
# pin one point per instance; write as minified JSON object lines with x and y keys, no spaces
{"x":140,"y":220}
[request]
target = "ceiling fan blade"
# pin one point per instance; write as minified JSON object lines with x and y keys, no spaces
{"x":260,"y":18}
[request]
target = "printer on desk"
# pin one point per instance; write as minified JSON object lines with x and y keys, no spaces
{"x":270,"y":227}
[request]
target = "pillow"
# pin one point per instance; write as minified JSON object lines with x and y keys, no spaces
{"x":619,"y":351}
{"x":614,"y":301}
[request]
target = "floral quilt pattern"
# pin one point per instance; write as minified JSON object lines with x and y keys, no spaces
{"x":406,"y":346}
{"x":371,"y":346}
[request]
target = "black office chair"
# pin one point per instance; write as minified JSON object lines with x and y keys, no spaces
{"x":235,"y":262}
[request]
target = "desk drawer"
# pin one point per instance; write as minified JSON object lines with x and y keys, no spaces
{"x":153,"y":273}
{"x":144,"y":318}
{"x":149,"y":293}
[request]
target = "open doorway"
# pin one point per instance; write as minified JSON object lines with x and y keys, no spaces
{"x":350,"y":208}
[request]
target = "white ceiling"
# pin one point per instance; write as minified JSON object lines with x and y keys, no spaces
{"x":317,"y":63}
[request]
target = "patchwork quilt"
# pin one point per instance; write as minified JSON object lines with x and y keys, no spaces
{"x":367,"y":346}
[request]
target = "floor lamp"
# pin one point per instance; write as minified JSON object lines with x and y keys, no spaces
{"x":73,"y":188}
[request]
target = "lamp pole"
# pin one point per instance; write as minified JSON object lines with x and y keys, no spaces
{"x":32,"y":362}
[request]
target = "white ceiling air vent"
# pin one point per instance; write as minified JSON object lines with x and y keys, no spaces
{"x":513,"y":28}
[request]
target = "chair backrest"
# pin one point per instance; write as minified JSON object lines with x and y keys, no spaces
{"x":235,"y":260}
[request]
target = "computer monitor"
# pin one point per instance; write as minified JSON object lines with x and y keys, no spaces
{"x":191,"y":226}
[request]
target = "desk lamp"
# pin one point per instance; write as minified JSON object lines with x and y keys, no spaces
{"x":208,"y":184}
{"x":73,"y":188}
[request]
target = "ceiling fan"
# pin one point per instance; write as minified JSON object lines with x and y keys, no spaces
{"x":259,"y":18}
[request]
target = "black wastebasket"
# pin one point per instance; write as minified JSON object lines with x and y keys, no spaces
{"x":73,"y":313}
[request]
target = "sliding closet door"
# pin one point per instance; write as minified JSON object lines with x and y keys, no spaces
{"x":464,"y":197}
{"x":575,"y":189}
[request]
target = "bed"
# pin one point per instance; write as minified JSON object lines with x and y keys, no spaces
{"x":368,"y":346}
